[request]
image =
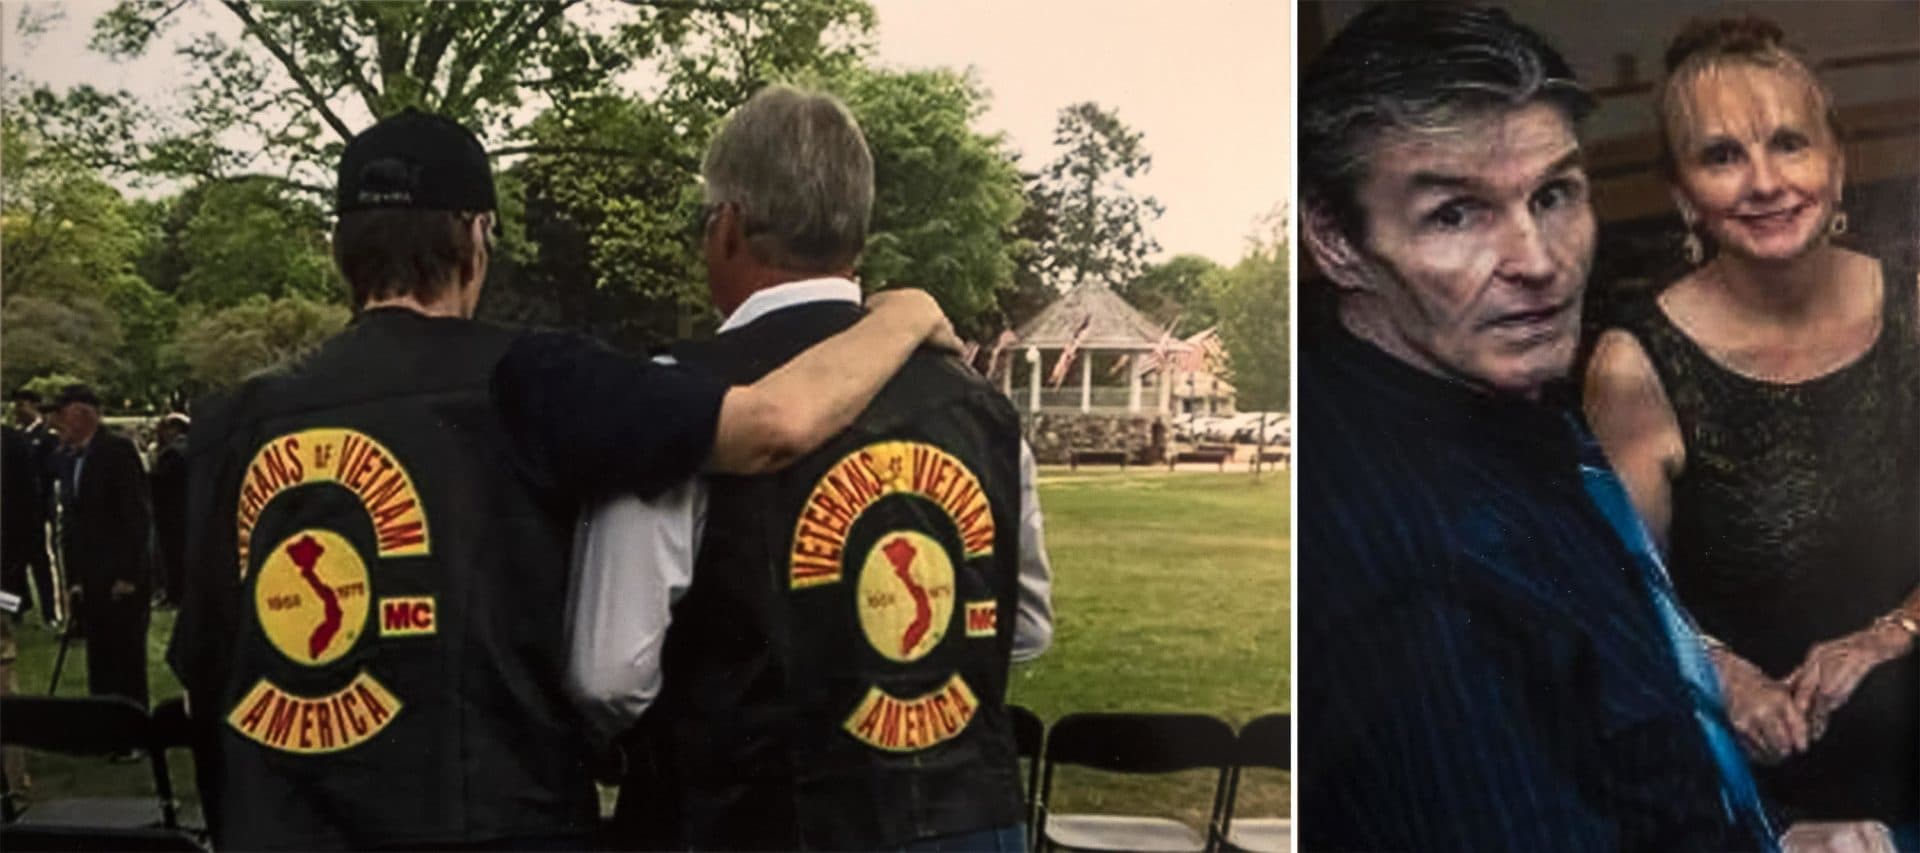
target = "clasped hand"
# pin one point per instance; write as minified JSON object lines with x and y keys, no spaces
{"x":1777,"y":719}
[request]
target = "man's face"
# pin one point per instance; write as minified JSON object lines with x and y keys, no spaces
{"x":75,"y":422}
{"x":23,"y":412}
{"x":1479,"y":238}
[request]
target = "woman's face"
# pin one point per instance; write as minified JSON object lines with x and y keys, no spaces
{"x":1759,"y":167}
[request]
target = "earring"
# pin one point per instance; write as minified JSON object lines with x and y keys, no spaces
{"x":1838,"y":225}
{"x":1696,"y":253}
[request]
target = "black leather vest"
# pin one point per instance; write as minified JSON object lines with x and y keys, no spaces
{"x":378,"y":629}
{"x":836,"y":675}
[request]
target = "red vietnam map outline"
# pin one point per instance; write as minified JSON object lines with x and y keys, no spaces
{"x":306,"y":554}
{"x":900,"y":553}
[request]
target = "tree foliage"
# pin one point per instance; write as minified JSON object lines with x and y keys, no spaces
{"x":1179,"y":289}
{"x":1099,"y":225}
{"x":246,"y":237}
{"x":222,"y":346}
{"x":1251,"y":297}
{"x":945,"y":196}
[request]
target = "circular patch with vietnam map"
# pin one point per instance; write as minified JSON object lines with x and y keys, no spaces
{"x":312,"y":596}
{"x":905,"y":595}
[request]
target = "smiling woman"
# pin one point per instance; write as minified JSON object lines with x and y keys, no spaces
{"x":1764,"y":411}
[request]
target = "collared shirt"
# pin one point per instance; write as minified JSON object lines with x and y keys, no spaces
{"x":1480,"y":664}
{"x":634,"y":558}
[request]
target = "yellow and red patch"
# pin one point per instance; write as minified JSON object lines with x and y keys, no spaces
{"x":909,"y":725}
{"x":347,"y":457}
{"x":314,"y":593}
{"x":861,"y":479}
{"x":305,"y":725}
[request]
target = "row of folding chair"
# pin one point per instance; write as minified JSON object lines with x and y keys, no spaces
{"x":1152,"y":743}
{"x":95,"y":727}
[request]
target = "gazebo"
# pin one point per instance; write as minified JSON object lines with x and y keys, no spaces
{"x":1100,"y":321}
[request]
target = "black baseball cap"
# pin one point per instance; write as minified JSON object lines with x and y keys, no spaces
{"x":415,"y":161}
{"x":23,"y":393}
{"x":75,"y":393}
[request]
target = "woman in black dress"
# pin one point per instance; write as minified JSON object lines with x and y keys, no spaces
{"x":1764,"y":411}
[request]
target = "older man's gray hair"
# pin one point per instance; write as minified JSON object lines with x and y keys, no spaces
{"x":797,"y":165}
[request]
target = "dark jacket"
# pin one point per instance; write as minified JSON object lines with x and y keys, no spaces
{"x":372,"y":629}
{"x":107,"y":522}
{"x":836,"y":675}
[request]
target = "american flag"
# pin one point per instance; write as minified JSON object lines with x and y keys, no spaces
{"x":1006,"y":339}
{"x":1159,"y":357}
{"x":1059,"y":374}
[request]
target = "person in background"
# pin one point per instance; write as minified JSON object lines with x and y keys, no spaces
{"x":106,"y":530}
{"x":26,"y":565}
{"x":169,"y":485}
{"x":1762,"y":410}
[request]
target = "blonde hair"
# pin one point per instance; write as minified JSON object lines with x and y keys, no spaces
{"x":1705,"y":45}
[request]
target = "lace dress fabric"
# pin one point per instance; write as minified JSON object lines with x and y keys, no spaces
{"x":1796,"y":520}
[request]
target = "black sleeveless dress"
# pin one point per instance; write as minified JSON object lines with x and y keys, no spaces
{"x":1797,"y":520}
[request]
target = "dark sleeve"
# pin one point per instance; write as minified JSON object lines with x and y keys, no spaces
{"x":204,"y":628}
{"x":1425,"y":693}
{"x":591,"y":421}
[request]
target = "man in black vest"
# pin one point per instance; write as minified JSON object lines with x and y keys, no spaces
{"x":371,"y":633}
{"x":836,"y":667}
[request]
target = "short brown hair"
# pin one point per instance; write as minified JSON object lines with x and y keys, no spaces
{"x":390,"y":252}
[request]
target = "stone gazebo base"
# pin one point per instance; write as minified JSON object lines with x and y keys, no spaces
{"x":1055,"y":435}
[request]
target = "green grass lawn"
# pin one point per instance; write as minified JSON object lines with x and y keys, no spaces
{"x":1170,"y":594}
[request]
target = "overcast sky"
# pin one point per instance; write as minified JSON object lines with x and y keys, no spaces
{"x":1206,"y":81}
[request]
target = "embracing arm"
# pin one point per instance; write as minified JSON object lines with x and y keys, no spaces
{"x":766,"y":425}
{"x":590,"y":421}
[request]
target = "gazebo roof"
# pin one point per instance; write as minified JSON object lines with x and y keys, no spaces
{"x":1112,"y":324}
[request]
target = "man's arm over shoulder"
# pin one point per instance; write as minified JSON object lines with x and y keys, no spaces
{"x":1033,"y":632}
{"x":601,"y":422}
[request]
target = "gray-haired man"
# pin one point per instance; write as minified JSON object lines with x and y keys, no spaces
{"x":835,"y":671}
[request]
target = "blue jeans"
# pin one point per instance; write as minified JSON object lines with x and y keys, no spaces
{"x":1006,"y":839}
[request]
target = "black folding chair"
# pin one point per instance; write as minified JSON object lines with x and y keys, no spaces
{"x":1028,"y":734}
{"x":1264,"y":742}
{"x":91,"y":726}
{"x":1132,"y":743}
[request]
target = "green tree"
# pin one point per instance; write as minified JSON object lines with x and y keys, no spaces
{"x":1181,"y":288}
{"x":73,"y":335}
{"x":245,"y":237}
{"x":1100,"y":225}
{"x":68,"y":266}
{"x":218,"y":347}
{"x":945,"y":196}
{"x":1251,"y":297}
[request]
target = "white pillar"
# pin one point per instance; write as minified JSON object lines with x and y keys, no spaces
{"x":1086,"y":382}
{"x":1164,"y":379}
{"x":1133,"y":384}
{"x":1033,"y":380}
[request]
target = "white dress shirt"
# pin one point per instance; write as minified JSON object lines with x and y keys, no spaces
{"x":632,"y":559}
